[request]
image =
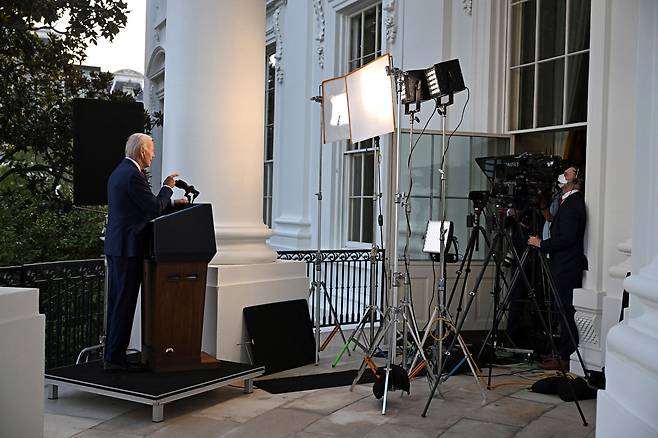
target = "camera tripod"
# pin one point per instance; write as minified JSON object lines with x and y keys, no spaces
{"x":442,"y":313}
{"x":495,"y":248}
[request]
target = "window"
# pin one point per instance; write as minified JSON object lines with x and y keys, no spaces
{"x":269,"y":134}
{"x":463,"y":175}
{"x":364,"y":46}
{"x":549,"y":63}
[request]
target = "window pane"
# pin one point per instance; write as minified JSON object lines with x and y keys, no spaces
{"x":567,"y":143}
{"x":369,"y":31}
{"x":423,"y":179}
{"x":523,"y":32}
{"x":550,"y":92}
{"x":269,"y":150}
{"x":522,"y":89}
{"x":270,"y":108}
{"x":355,"y":220}
{"x":355,"y":188}
{"x":458,"y":166}
{"x":426,"y":208}
{"x":579,"y":25}
{"x":577,"y":77}
{"x":552,"y":18}
{"x":418,"y":218}
{"x":368,"y":173}
{"x":355,"y":38}
{"x":368,"y":221}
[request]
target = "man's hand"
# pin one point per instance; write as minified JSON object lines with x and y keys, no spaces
{"x":170,"y":180}
{"x":534,"y":241}
{"x":181,"y":201}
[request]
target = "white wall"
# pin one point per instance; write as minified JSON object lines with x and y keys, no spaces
{"x":22,"y":342}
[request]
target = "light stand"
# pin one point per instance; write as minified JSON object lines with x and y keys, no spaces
{"x":397,"y":312}
{"x":317,"y":284}
{"x":368,"y":316}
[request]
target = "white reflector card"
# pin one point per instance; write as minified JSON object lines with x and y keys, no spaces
{"x":335,"y":114}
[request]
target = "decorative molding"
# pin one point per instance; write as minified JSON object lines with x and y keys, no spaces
{"x":468,"y":6}
{"x":390,"y":20}
{"x":278,"y":37}
{"x":319,"y":19}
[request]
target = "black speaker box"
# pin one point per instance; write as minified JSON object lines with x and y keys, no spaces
{"x":100,"y":131}
{"x":280,"y":334}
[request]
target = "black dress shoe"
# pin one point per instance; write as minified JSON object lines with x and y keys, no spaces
{"x":110,"y":367}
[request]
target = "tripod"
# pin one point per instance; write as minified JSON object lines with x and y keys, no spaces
{"x":401,"y":312}
{"x":499,"y":237}
{"x":442,"y":314}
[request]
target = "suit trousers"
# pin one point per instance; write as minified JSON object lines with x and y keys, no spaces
{"x":565,"y":283}
{"x":125,"y":277}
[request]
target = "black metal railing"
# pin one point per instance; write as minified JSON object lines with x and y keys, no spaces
{"x":346,"y":276}
{"x":71,"y":296}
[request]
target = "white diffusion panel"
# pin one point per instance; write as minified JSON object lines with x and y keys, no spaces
{"x":370,"y":100}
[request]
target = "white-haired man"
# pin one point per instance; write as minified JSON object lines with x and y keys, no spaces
{"x":131,"y":205}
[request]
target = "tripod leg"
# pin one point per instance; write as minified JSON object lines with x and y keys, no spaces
{"x":345,"y":347}
{"x":414,"y":334}
{"x":433,"y":316}
{"x":335,"y":314}
{"x":474,"y":368}
{"x":379,"y":336}
{"x":472,"y":294}
{"x":533,"y":299}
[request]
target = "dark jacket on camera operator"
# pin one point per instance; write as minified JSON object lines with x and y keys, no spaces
{"x":567,"y":256}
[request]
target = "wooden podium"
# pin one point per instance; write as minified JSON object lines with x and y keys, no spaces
{"x":173,"y":291}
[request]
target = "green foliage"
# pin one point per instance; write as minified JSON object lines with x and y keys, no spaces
{"x":42,"y":46}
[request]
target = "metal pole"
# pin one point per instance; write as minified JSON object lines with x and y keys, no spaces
{"x":442,"y":216}
{"x":318,"y":254}
{"x":395,"y":275}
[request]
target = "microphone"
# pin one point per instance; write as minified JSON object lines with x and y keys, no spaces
{"x":188,"y":188}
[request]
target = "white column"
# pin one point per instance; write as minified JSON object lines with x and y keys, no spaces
{"x":611,"y":119}
{"x":22,"y":333}
{"x":214,"y":117}
{"x":213,"y":136}
{"x":629,"y":405}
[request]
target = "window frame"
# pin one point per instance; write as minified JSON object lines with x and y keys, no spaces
{"x":351,"y":151}
{"x":268,"y":162}
{"x":513,"y":102}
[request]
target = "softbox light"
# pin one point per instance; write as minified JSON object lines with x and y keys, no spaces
{"x":370,"y":100}
{"x":335,"y":113}
{"x":445,"y":78}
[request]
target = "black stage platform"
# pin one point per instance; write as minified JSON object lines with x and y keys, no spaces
{"x":155,"y":389}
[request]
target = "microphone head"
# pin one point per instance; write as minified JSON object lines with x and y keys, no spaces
{"x":181,"y":184}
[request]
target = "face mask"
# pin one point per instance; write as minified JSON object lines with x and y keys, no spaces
{"x":561,"y":180}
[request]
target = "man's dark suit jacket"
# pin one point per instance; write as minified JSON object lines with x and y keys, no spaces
{"x":131,"y":206}
{"x":566,"y":245}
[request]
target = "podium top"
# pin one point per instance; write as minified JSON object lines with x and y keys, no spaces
{"x":186,"y":235}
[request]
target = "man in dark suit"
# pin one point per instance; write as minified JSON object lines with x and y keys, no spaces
{"x":131,"y":206}
{"x":567,"y":260}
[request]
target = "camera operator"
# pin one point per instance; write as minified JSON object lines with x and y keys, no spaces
{"x":567,"y":259}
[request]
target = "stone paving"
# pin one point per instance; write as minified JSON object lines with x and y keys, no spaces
{"x":510,"y":410}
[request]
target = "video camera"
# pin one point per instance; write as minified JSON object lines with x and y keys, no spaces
{"x":521,"y":180}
